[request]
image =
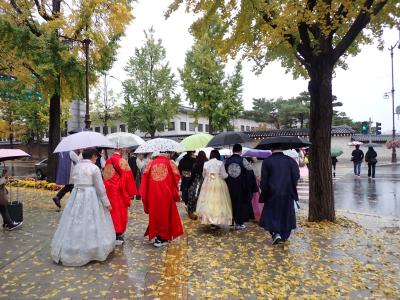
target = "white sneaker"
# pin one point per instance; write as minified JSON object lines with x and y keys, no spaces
{"x":119,"y":242}
{"x":240,"y":226}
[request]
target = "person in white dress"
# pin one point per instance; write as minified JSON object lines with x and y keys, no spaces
{"x":214,"y":205}
{"x":85,"y":231}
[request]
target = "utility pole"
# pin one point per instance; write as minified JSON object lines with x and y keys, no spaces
{"x":369,"y":130}
{"x":86,"y":43}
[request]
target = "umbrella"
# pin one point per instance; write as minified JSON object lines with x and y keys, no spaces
{"x":8,"y":154}
{"x":159,"y":145}
{"x":196,"y":141}
{"x":283,"y":142}
{"x":228,"y":138}
{"x":256,"y":153}
{"x":207,"y":150}
{"x":355,"y":143}
{"x":81,"y":140}
{"x":291,"y":153}
{"x":125,"y":140}
{"x":336,"y":151}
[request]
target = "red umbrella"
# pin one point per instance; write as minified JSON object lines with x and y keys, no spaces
{"x":8,"y":154}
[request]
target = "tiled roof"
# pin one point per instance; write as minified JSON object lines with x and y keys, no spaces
{"x":303,"y":132}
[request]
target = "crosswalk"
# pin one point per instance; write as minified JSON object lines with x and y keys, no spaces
{"x":303,"y":186}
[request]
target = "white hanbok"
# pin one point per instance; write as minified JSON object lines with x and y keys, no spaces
{"x":86,"y":231}
{"x":214,"y":204}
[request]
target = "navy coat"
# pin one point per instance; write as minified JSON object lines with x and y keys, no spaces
{"x":279,"y":176}
{"x":63,"y":168}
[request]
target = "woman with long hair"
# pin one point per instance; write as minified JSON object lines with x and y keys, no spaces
{"x":195,"y":183}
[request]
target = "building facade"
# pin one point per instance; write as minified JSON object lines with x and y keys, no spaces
{"x":182,"y":124}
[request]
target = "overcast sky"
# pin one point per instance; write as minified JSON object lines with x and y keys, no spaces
{"x":360,"y":88}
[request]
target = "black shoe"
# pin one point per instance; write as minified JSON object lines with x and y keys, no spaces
{"x":57,"y":201}
{"x":276,"y":239}
{"x":159,"y":242}
{"x":13,"y":225}
{"x":119,"y":241}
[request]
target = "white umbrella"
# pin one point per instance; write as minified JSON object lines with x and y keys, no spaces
{"x":8,"y":154}
{"x":159,"y":145}
{"x":207,"y":150}
{"x":125,"y":139}
{"x":291,"y":153}
{"x":355,"y":143}
{"x":81,"y":140}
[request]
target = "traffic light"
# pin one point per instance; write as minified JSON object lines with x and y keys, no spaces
{"x":364,"y":127}
{"x":378,"y":128}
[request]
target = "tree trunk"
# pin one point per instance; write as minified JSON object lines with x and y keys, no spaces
{"x":321,"y":203}
{"x":11,"y":134}
{"x":210,"y":127}
{"x":54,"y":136}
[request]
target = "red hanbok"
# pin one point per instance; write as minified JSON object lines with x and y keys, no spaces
{"x":120,"y":187}
{"x":159,"y":191}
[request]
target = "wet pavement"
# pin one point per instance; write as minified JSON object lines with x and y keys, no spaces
{"x":363,"y":195}
{"x":321,"y":261}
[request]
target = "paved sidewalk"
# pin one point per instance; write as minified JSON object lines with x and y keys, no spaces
{"x":321,"y":261}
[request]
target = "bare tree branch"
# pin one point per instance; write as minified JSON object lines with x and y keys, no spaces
{"x":363,"y":18}
{"x":30,"y":24}
{"x":42,"y":10}
{"x":27,"y":66}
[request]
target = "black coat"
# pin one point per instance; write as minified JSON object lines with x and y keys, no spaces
{"x":133,"y":165}
{"x":279,"y":176}
{"x":357,"y":155}
{"x":370,"y":156}
{"x":185,"y":169}
{"x":239,"y":190}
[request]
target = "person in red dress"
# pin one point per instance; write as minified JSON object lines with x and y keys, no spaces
{"x":120,"y":187}
{"x":159,"y":191}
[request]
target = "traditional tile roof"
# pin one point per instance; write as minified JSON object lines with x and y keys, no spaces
{"x":303,"y":132}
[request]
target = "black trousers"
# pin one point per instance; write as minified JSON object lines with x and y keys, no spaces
{"x":371,"y":170}
{"x":66,"y":189}
{"x":5,"y":215}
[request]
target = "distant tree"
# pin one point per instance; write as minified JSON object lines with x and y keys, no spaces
{"x":207,"y":89}
{"x":105,"y":109}
{"x":150,"y":98}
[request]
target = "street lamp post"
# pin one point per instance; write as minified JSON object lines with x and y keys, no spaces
{"x":394,"y":156}
{"x":86,"y":42}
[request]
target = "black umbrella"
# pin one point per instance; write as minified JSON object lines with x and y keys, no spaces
{"x":228,"y":138}
{"x":283,"y":142}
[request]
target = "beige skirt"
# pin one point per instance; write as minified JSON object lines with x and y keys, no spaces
{"x":214,"y":204}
